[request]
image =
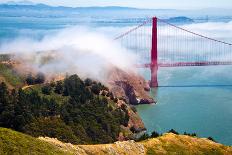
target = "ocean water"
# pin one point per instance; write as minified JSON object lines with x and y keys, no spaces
{"x":194,"y":100}
{"x":191,"y":99}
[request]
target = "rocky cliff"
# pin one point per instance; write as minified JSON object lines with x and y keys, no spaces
{"x":130,"y":86}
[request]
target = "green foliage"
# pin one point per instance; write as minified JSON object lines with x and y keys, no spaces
{"x":150,"y":151}
{"x":10,"y":75}
{"x":46,"y":89}
{"x":85,"y":117}
{"x":59,"y":87}
{"x":38,"y":79}
{"x":30,"y":79}
{"x":12,"y":142}
{"x":154,"y":134}
{"x":88,"y":82}
{"x":52,"y":127}
{"x":143,"y":137}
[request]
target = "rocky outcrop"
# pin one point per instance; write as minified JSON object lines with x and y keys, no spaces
{"x":130,"y":86}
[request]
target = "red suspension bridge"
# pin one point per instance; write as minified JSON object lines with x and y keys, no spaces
{"x":162,"y":44}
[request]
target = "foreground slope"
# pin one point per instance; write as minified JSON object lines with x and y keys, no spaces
{"x":12,"y":142}
{"x":166,"y":144}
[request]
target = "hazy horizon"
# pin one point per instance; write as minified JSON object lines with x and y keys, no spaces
{"x":146,"y":4}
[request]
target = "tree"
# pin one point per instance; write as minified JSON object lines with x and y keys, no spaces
{"x":53,"y":108}
{"x":46,"y":89}
{"x":88,"y":82}
{"x":30,"y":80}
{"x":95,"y":89}
{"x":40,"y":78}
{"x":4,"y":94}
{"x":59,"y":87}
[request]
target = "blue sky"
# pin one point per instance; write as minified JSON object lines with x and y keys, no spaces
{"x":164,"y":4}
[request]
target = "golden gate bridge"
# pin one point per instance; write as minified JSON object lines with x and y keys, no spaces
{"x":159,"y":43}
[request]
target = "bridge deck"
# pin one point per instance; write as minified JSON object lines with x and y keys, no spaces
{"x":183,"y":64}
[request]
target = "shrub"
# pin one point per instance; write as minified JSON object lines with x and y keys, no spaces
{"x":143,"y":137}
{"x":59,"y":87}
{"x":154,"y":134}
{"x":95,"y":89}
{"x":40,"y":78}
{"x":30,"y":80}
{"x":88,"y":82}
{"x":173,"y":131}
{"x":210,"y":138}
{"x":46,"y":89}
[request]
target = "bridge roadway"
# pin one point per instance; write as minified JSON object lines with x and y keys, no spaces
{"x":183,"y":64}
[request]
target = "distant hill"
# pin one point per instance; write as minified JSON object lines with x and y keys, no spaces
{"x":180,"y":19}
{"x":44,"y":6}
{"x":25,"y":2}
{"x":22,"y":7}
{"x":12,"y":142}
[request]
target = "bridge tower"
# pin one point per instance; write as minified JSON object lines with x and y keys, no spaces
{"x":154,"y":55}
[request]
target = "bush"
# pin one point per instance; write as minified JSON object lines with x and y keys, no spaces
{"x":88,"y":82}
{"x":40,"y":78}
{"x":52,"y":84}
{"x":30,"y":80}
{"x":96,"y":89}
{"x":154,"y":134}
{"x":143,"y":137}
{"x":46,"y":89}
{"x":173,"y":131}
{"x":59,"y":87}
{"x":190,"y":134}
{"x":210,"y":138}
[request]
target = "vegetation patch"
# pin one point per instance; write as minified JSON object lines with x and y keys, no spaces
{"x":71,"y":110}
{"x":10,"y":75}
{"x":12,"y":142}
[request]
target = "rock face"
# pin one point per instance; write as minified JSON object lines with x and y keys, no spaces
{"x":129,"y":86}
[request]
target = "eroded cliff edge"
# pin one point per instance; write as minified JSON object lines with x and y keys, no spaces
{"x":130,"y":86}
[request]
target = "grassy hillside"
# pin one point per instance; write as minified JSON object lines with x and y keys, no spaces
{"x":9,"y":76}
{"x":12,"y":142}
{"x":166,"y":144}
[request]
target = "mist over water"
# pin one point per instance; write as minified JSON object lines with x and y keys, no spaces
{"x":192,"y":99}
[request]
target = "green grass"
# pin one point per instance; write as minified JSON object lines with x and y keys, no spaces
{"x":10,"y":76}
{"x":150,"y":151}
{"x":15,"y":143}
